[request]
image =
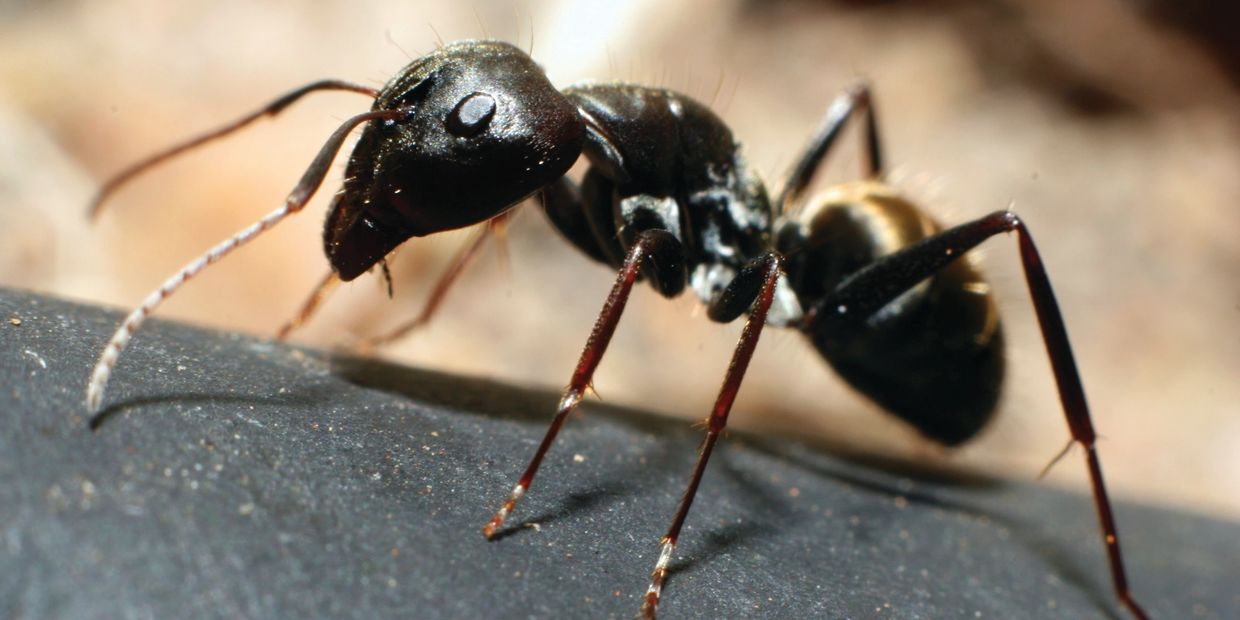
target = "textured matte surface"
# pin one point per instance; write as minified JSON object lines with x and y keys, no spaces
{"x":237,"y":478}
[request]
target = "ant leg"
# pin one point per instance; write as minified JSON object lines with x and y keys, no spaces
{"x":662,"y":252}
{"x":584,"y":214}
{"x":873,"y":286}
{"x":308,"y":307}
{"x":735,"y":299}
{"x":296,"y":200}
{"x":497,"y":229}
{"x":271,"y":109}
{"x":462,"y":260}
{"x":329,"y":282}
{"x":839,"y":113}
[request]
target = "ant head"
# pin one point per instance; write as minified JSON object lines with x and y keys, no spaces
{"x":485,"y":129}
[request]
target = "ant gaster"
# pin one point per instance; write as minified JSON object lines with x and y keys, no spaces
{"x":885,"y":294}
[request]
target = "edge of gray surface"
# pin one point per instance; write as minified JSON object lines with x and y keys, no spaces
{"x":235,"y":477}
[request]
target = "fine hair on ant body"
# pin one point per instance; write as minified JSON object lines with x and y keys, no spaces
{"x":884,"y":293}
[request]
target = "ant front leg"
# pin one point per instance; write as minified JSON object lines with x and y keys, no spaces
{"x":862,"y":294}
{"x":662,"y":255}
{"x":846,"y":107}
{"x":439,"y":291}
{"x":451,"y":276}
{"x":310,"y":306}
{"x":754,"y":285}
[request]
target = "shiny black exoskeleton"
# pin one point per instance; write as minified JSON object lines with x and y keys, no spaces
{"x":884,"y":293}
{"x":485,"y":130}
{"x":488,"y":130}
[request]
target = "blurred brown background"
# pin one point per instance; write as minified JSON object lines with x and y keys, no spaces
{"x":1112,"y":125}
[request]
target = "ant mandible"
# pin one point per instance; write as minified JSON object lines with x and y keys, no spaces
{"x":469,"y":131}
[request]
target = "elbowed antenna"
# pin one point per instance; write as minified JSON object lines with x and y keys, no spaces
{"x":301,"y":194}
{"x":271,"y":109}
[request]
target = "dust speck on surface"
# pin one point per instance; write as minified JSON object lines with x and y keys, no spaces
{"x":37,"y":358}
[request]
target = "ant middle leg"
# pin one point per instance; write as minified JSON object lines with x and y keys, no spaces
{"x":846,"y":107}
{"x":871,"y":288}
{"x":655,"y":253}
{"x":753,"y":289}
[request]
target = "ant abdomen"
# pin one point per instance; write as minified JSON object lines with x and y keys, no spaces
{"x":932,"y":356}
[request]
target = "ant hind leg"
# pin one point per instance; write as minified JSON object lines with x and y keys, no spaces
{"x":872,"y":287}
{"x":845,"y":108}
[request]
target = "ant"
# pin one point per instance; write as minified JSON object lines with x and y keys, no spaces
{"x":887,"y":296}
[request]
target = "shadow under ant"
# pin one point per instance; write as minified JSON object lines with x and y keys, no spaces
{"x":501,"y":400}
{"x":473,"y":395}
{"x":185,"y":398}
{"x":823,"y":459}
{"x":1049,"y":549}
{"x":576,"y":503}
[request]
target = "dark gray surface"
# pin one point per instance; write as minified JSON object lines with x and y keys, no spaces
{"x":238,"y":478}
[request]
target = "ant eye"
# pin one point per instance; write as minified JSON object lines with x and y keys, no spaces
{"x":472,"y":115}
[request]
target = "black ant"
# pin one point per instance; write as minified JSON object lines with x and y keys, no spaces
{"x":886,"y":295}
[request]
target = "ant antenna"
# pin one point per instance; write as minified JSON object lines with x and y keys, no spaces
{"x":296,"y":200}
{"x":271,"y":109}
